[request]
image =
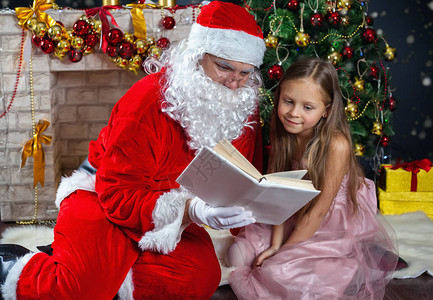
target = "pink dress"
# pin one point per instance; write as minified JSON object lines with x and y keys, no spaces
{"x":351,"y":256}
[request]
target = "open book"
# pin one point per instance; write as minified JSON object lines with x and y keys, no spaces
{"x":224,"y":177}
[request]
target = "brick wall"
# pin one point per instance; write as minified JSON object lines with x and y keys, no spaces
{"x":76,"y":98}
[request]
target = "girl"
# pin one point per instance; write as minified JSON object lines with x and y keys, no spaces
{"x":334,"y":247}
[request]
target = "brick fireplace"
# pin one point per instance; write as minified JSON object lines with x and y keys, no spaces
{"x":76,"y":98}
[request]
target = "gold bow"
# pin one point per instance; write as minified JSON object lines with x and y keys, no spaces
{"x":138,"y":20}
{"x":26,"y":13}
{"x":33,"y":147}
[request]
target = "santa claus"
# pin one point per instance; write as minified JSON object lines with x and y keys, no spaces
{"x":125,"y":227}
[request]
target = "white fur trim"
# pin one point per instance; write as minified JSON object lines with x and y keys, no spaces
{"x":9,"y":288}
{"x":79,"y":180}
{"x":228,"y":44}
{"x":167,"y":217}
{"x":126,"y":291}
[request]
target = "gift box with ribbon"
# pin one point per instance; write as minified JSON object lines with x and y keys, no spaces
{"x":415,"y":176}
{"x":396,"y":203}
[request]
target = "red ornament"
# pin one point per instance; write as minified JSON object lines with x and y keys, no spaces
{"x":393,"y":103}
{"x":81,"y":27}
{"x":126,"y":50}
{"x":275,"y":72}
{"x":369,"y":20}
{"x":334,"y":19}
{"x":317,"y":19}
{"x":369,"y":35}
{"x":112,"y":51}
{"x":114,"y":36}
{"x":385,"y":140}
{"x":293,"y":5}
{"x":47,"y":45}
{"x":75,"y":55}
{"x":36,"y":39}
{"x":91,"y":39}
{"x":163,"y":43}
{"x":374,"y":71}
{"x":347,"y":52}
{"x":168,"y":22}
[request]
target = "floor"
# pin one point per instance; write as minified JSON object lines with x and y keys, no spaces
{"x":420,"y":288}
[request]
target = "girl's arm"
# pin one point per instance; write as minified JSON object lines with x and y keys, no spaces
{"x":276,"y":242}
{"x":336,"y":167}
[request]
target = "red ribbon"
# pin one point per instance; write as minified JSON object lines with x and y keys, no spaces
{"x":414,"y":167}
{"x":103,"y":11}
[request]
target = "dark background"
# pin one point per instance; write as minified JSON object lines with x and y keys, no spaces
{"x":407,"y":25}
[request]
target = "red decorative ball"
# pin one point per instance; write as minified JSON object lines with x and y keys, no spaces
{"x":275,"y":72}
{"x":163,"y":43}
{"x":393,"y":103}
{"x":293,"y":4}
{"x":369,"y":35}
{"x":75,"y":55}
{"x":47,"y":45}
{"x":347,"y":52}
{"x":374,"y":71}
{"x":317,"y":19}
{"x":91,"y":39}
{"x":126,"y":50}
{"x":112,"y":51}
{"x":334,"y":18}
{"x":36,"y":39}
{"x":168,"y":22}
{"x":114,"y":36}
{"x":81,"y":27}
{"x":369,"y":20}
{"x":385,"y":140}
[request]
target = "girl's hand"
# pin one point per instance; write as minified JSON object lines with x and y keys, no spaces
{"x":265,"y":255}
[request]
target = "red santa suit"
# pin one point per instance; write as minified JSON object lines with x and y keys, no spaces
{"x":120,"y":231}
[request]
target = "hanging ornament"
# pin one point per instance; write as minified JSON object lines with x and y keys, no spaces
{"x":150,"y":40}
{"x":385,"y":140}
{"x":154,"y":52}
{"x":112,"y":51}
{"x":163,"y":43}
{"x":351,"y":109}
{"x":347,"y":52}
{"x":334,"y":57}
{"x":293,"y":5}
{"x":275,"y":72}
{"x":392,"y":103}
{"x":126,"y":50}
{"x":377,"y":128}
{"x":88,"y":50}
{"x":55,"y":32}
{"x":369,"y":20}
{"x":317,"y":19}
{"x":374,"y":71}
{"x":135,"y":63}
{"x":333,"y":19}
{"x":168,"y":22}
{"x":47,"y":45}
{"x":96,"y":25}
{"x":369,"y":35}
{"x":121,"y":62}
{"x":359,"y":84}
{"x":345,"y":20}
{"x":359,"y":149}
{"x":81,"y":27}
{"x":91,"y":39}
{"x":77,"y":43}
{"x":302,"y":39}
{"x":31,"y":24}
{"x":128,"y":37}
{"x":75,"y":55}
{"x":63,"y":46}
{"x":347,"y":4}
{"x":36,"y":40}
{"x":41,"y":29}
{"x":114,"y":36}
{"x":271,"y":41}
{"x":389,"y":53}
{"x":141,"y":46}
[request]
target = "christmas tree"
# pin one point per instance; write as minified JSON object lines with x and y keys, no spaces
{"x":342,"y":32}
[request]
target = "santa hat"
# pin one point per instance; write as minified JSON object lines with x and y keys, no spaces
{"x":228,"y":31}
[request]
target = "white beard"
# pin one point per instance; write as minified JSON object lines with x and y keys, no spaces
{"x":208,"y":111}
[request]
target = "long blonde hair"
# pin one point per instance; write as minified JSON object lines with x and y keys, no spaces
{"x":283,"y":143}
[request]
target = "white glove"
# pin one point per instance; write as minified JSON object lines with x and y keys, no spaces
{"x":219,"y":217}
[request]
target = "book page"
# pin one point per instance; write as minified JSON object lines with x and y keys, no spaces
{"x":296,"y":174}
{"x":228,"y":151}
{"x":300,"y":183}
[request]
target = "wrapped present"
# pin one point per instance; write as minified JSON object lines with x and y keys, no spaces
{"x":415,"y":176}
{"x":396,"y":203}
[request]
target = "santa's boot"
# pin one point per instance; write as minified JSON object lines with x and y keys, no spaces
{"x":9,"y":254}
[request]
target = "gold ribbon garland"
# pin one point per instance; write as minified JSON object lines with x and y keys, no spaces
{"x":33,"y":147}
{"x":138,"y":20}
{"x":26,"y":13}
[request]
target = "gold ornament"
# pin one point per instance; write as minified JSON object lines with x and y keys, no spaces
{"x":96,"y":25}
{"x":344,"y":4}
{"x":110,"y":2}
{"x":359,"y":149}
{"x":59,"y":54}
{"x":41,"y":29}
{"x":351,"y":109}
{"x":55,"y":32}
{"x":155,"y":52}
{"x":389,"y":53}
{"x":345,"y":20}
{"x":129,"y":37}
{"x":77,"y":42}
{"x":302,"y":39}
{"x":88,"y":49}
{"x":121,"y":62}
{"x":31,"y":24}
{"x":359,"y":84}
{"x":70,"y":33}
{"x":377,"y":128}
{"x":63,"y":46}
{"x":150,"y":40}
{"x":141,"y":46}
{"x":135,"y":63}
{"x":334,"y":57}
{"x":271,"y":41}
